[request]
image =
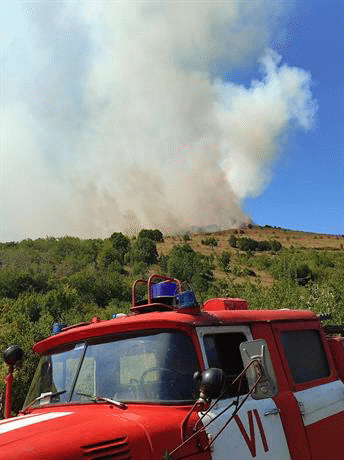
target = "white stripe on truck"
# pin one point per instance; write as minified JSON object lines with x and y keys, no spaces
{"x":26,"y":420}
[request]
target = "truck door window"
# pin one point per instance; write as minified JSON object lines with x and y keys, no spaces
{"x":222,"y":351}
{"x":305,"y":355}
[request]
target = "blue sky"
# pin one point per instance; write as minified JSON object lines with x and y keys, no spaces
{"x":307,"y":192}
{"x":120,"y":115}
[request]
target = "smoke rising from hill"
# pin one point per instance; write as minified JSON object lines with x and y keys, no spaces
{"x":116,"y":118}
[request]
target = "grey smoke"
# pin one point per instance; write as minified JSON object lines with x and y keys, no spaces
{"x":115,"y":117}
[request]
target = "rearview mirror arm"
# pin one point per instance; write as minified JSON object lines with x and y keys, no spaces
{"x":201,"y":405}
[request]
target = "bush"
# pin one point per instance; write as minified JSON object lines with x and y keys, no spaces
{"x":143,"y":250}
{"x":163,"y":263}
{"x":247,"y":244}
{"x":98,"y":288}
{"x":275,"y":246}
{"x":210,"y":241}
{"x":224,"y":260}
{"x":120,"y":244}
{"x":139,"y":269}
{"x":187,"y":265}
{"x":303,"y":274}
{"x":14,"y":282}
{"x":154,"y":235}
{"x":250,"y":245}
{"x":112,"y":260}
{"x":248,"y":272}
{"x":57,"y":302}
{"x":263,"y":246}
{"x":236,"y":270}
{"x":291,"y":268}
{"x":233,"y":241}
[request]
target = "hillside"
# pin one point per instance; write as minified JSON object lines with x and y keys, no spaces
{"x":295,"y":241}
{"x":67,"y":279}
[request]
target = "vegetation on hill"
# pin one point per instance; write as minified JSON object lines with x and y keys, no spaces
{"x":71,"y":280}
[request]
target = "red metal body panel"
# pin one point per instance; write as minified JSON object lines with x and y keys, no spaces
{"x":225,"y":304}
{"x":88,"y":430}
{"x":326,"y":438}
{"x":322,"y":439}
{"x":293,"y":426}
{"x":169,"y":320}
{"x":289,"y":410}
{"x":336,"y":345}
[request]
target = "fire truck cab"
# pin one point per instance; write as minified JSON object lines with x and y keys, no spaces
{"x":175,"y":380}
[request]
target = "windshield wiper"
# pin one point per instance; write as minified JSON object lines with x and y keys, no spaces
{"x":50,"y":395}
{"x":120,"y":404}
{"x":94,"y":398}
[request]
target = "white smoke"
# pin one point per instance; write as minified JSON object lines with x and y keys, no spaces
{"x":116,"y":118}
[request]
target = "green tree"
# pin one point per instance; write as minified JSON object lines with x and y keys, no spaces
{"x":112,"y":260}
{"x":154,"y":235}
{"x":120,"y":244}
{"x":189,"y":266}
{"x":14,"y":282}
{"x":143,"y":250}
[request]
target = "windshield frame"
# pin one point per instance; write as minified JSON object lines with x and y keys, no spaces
{"x":70,"y":395}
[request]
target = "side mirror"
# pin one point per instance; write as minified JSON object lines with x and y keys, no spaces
{"x":212,"y":381}
{"x":257,"y":353}
{"x":13,"y":355}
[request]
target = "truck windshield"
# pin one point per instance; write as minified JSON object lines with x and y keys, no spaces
{"x":155,"y":367}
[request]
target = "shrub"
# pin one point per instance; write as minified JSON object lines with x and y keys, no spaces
{"x":139,"y":269}
{"x":233,"y":241}
{"x":143,"y":250}
{"x":154,"y":235}
{"x":111,"y":259}
{"x":224,"y":260}
{"x":163,"y":259}
{"x":210,"y":241}
{"x":263,"y":246}
{"x":303,"y":274}
{"x":14,"y":282}
{"x":275,"y":246}
{"x":189,"y":266}
{"x":247,"y":244}
{"x":248,"y":272}
{"x":120,"y":244}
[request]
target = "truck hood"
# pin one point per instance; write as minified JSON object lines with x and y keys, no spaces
{"x":74,"y":432}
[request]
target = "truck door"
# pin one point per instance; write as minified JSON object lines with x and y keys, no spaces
{"x":320,"y":395}
{"x":256,"y":431}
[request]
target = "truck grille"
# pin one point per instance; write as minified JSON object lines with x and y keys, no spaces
{"x":117,"y":449}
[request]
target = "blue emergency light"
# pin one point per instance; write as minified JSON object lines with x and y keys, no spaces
{"x":168,"y":291}
{"x":164,"y":289}
{"x":57,"y":327}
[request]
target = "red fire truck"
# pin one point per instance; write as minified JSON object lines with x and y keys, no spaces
{"x":176,"y":380}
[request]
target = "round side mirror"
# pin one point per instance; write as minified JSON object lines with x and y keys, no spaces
{"x":212,"y":381}
{"x":12,"y":355}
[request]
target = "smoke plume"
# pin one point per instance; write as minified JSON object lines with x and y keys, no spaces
{"x":116,"y":115}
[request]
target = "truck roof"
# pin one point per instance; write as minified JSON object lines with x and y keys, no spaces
{"x":168,"y":320}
